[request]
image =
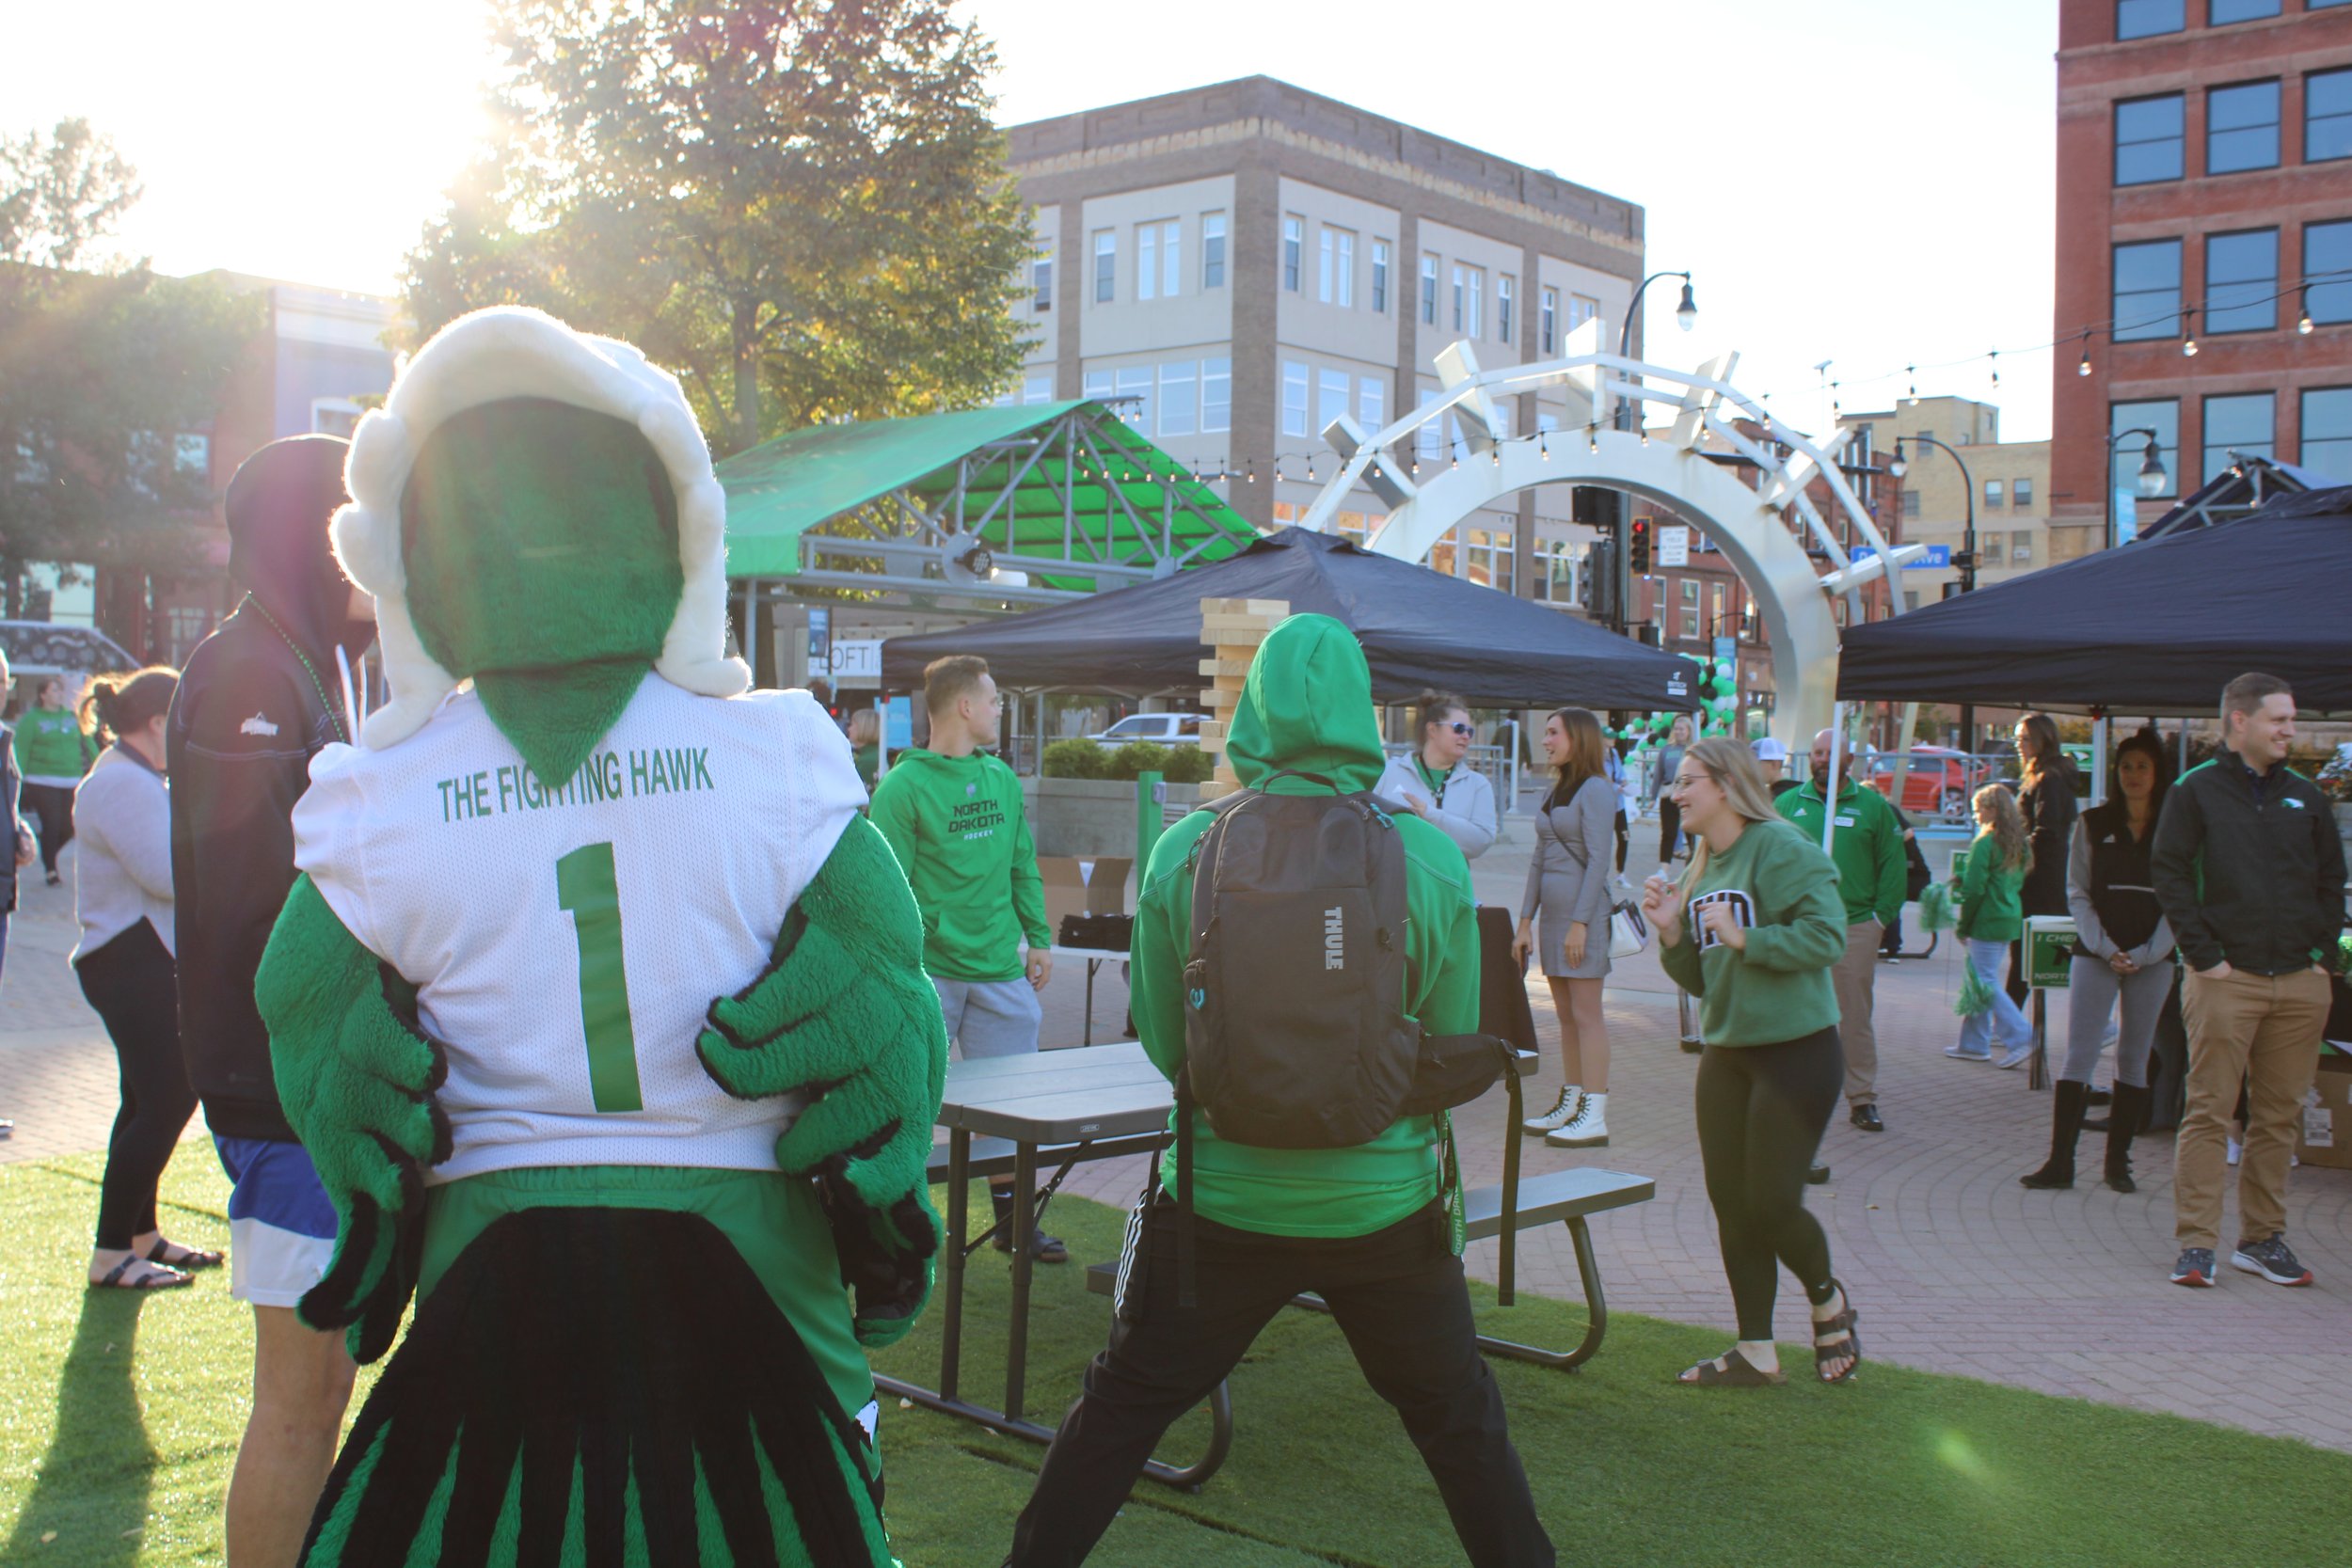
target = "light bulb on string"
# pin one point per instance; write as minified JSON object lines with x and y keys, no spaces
{"x":1995,"y":357}
{"x":2188,"y":342}
{"x":1415,"y":465}
{"x":2303,"y":320}
{"x":1543,"y":445}
{"x":1592,"y":436}
{"x":1310,"y":469}
{"x":1913,"y":372}
{"x":1251,"y":477}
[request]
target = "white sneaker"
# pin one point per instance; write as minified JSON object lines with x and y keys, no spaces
{"x":2237,"y":1149}
{"x":1571,"y":1099}
{"x":1589,"y":1130}
{"x":2017,"y":1057}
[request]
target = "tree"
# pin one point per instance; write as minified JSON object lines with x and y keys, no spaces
{"x":101,"y":371}
{"x":802,"y":208}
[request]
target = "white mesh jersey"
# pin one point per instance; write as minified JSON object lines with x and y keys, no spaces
{"x":567,"y":943}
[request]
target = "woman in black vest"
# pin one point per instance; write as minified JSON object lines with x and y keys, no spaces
{"x":2045,"y":798}
{"x":2124,"y":949}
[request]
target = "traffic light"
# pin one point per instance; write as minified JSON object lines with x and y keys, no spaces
{"x":1638,"y":552}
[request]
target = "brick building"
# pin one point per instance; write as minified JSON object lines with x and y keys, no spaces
{"x":2204,"y":246}
{"x":1248,"y":261}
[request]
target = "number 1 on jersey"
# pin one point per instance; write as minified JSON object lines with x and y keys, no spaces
{"x":587,"y":886}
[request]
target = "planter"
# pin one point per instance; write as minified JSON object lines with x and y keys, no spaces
{"x":1087,"y":817}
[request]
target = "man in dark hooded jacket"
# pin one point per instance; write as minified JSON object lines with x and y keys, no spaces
{"x":259,"y":699}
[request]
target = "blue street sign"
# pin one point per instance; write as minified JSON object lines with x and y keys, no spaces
{"x":1937,"y":558}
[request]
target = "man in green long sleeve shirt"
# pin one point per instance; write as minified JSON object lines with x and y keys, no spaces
{"x":1362,"y":1226}
{"x":1867,"y":847}
{"x":952,"y":815}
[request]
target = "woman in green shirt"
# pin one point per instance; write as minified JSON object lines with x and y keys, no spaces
{"x":1990,"y":917}
{"x":52,"y":755}
{"x":1752,"y":930}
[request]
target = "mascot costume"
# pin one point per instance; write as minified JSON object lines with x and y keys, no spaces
{"x":598,"y":1004}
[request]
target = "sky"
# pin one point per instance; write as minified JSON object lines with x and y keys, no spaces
{"x":1869,"y":182}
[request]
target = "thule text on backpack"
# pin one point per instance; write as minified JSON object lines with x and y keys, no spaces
{"x":1334,"y":941}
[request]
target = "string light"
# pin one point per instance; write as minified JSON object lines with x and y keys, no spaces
{"x":1311,"y":470}
{"x":2188,"y":343}
{"x":1416,"y":463}
{"x":2303,"y":321}
{"x":1592,"y":436}
{"x":1251,"y":478}
{"x":2083,"y":369}
{"x":1542,"y":444}
{"x":1913,"y":372}
{"x":1995,"y":357}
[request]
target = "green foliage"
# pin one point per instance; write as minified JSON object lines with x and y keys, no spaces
{"x":1076,"y":759}
{"x":1189,"y":764}
{"x":800,"y":209}
{"x":99,"y":370}
{"x":1137,"y":757}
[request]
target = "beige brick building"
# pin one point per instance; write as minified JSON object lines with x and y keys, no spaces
{"x":1246,"y":261}
{"x":2013,"y":480}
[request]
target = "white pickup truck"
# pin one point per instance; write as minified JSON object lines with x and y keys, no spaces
{"x":1165,"y":729}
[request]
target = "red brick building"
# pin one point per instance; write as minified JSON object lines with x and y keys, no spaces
{"x":2204,"y":240}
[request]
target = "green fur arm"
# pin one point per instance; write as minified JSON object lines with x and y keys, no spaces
{"x":845,"y":1019}
{"x":356,"y":1077}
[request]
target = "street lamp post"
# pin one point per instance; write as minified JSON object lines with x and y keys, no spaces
{"x":1965,"y":560}
{"x":1686,"y":317}
{"x":2152,"y":476}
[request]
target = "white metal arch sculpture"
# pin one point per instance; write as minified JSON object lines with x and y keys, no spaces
{"x":1745,"y":523}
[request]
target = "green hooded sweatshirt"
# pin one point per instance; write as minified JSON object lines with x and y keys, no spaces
{"x":50,"y":745}
{"x":961,"y":835}
{"x":1308,"y":705}
{"x":1991,"y":906}
{"x":1784,"y":892}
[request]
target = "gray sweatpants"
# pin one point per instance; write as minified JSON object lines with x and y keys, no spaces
{"x":990,"y":1018}
{"x":2091,"y":989}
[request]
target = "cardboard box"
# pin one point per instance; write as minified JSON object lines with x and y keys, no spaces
{"x":2325,"y":1135}
{"x":1075,"y":886}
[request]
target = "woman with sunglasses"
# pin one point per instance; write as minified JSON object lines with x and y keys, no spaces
{"x":1752,"y":930}
{"x":1435,"y":782}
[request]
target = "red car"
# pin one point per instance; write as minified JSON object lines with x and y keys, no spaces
{"x":1938,"y":785}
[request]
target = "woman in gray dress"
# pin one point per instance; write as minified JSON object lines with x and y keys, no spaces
{"x":1568,"y":882}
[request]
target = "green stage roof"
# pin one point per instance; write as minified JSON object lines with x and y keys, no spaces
{"x":783,"y":488}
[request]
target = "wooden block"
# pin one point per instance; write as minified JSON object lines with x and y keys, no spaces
{"x":1234,"y":631}
{"x":1236,"y":667}
{"x":1216,"y":788}
{"x":1213,"y":735}
{"x":1275,"y":607}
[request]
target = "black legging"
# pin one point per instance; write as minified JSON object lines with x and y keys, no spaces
{"x":1762,"y":1111}
{"x":132,"y":982}
{"x":54,"y":806}
{"x":1669,"y":828}
{"x":1621,"y":838}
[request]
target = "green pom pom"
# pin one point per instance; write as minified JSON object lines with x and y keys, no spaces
{"x":1936,"y":912}
{"x":1975,"y":995}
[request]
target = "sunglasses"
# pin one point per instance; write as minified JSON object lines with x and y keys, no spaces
{"x":1463,"y":729}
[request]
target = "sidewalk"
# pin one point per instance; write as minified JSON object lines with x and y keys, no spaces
{"x":1955,"y":1267}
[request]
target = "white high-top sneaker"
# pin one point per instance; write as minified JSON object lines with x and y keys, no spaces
{"x":1558,"y":1117}
{"x":1589,"y":1128}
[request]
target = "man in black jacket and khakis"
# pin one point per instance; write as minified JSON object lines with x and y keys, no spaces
{"x":260,"y":698}
{"x":2250,"y":874}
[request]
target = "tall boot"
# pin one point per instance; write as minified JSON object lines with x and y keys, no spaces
{"x":2124,"y":1117}
{"x":2066,"y":1123}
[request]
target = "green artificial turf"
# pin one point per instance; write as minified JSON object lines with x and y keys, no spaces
{"x":119,"y":1417}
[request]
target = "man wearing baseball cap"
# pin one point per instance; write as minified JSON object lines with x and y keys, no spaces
{"x":1773,"y":756}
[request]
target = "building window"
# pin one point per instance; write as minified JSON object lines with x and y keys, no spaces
{"x":2242,"y":128}
{"x":1293,"y":241}
{"x":1344,"y":285}
{"x":1171,"y":259}
{"x":1477,"y":304}
{"x":2242,"y":425}
{"x":2143,"y":18}
{"x":1690,"y":608}
{"x":2161,"y":415}
{"x":2326,"y":116}
{"x":1380,"y":276}
{"x":1507,"y":297}
{"x":1992,"y":494}
{"x":1041,"y":283}
{"x":1038,"y":388}
{"x":2021,"y":547}
{"x":1332,"y":401}
{"x":2148,"y":140}
{"x":1548,"y":308}
{"x":1097,"y":387}
{"x":2147,"y":297}
{"x":1372,"y":405}
{"x":2241,"y":276}
{"x":1911,"y":505}
{"x":1459,"y":285}
{"x":1147,"y":260}
{"x":2021,"y":493}
{"x":2328,"y":249}
{"x":192,"y":456}
{"x":1581,"y":309}
{"x":2328,"y":432}
{"x":334,"y":417}
{"x":1488,"y":558}
{"x":1180,"y":408}
{"x":2226,"y":11}
{"x":1106,"y":266}
{"x":1216,"y":396}
{"x":1213,"y":250}
{"x":1293,"y":397}
{"x":1429,"y":290}
{"x":1134,"y":395}
{"x":1323,"y":266}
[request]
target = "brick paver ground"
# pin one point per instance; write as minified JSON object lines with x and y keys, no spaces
{"x":1956,"y":1267}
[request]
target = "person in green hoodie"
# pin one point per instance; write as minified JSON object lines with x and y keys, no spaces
{"x":1365,"y":1227}
{"x":1752,"y":930}
{"x":1866,"y":842}
{"x":52,"y":755}
{"x":1991,"y":915}
{"x":952,"y":813}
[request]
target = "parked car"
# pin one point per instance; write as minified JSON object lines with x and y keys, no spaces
{"x":1938,"y":785}
{"x":1164,"y":729}
{"x":2335,"y":779}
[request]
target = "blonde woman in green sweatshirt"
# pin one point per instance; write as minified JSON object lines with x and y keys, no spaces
{"x":1752,"y":930}
{"x":1990,"y":917}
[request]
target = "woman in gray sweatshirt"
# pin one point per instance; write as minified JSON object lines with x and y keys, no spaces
{"x":122,"y":897}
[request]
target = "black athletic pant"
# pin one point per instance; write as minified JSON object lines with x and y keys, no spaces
{"x":53,"y":807}
{"x":1398,"y":1296}
{"x":1621,"y":838}
{"x":1669,"y":828}
{"x":132,"y":984}
{"x":1762,"y":1111}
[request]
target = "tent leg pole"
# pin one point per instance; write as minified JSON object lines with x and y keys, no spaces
{"x":751,"y":626}
{"x":1836,"y":753}
{"x":2101,"y":739}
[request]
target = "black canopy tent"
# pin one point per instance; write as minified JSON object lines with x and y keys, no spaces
{"x":2156,"y":628}
{"x":1419,"y":629}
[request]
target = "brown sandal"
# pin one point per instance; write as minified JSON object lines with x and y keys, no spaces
{"x":1834,"y":1338}
{"x":171,"y":1255}
{"x":1735,"y":1373}
{"x":163,"y":1278}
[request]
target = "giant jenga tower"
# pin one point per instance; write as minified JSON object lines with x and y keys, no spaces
{"x":1234,"y":628}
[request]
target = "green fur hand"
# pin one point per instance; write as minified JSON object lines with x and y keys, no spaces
{"x":356,"y":1077}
